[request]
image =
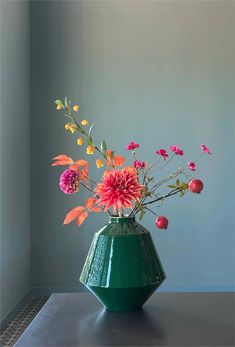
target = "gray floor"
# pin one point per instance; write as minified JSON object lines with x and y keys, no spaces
{"x":14,"y":329}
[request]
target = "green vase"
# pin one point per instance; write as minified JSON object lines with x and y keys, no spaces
{"x":122,"y":268}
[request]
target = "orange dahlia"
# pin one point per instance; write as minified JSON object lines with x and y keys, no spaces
{"x":118,"y":189}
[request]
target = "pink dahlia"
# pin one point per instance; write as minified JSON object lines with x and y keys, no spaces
{"x":69,"y":181}
{"x":118,"y":189}
{"x":132,"y":145}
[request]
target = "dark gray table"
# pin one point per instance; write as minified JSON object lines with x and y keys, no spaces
{"x":167,"y":319}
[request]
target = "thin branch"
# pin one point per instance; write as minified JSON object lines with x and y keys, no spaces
{"x":87,"y":135}
{"x":147,"y":208}
{"x":92,"y":191}
{"x":167,"y":162}
{"x":173,"y":192}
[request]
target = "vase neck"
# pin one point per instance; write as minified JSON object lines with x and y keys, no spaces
{"x":116,"y":219}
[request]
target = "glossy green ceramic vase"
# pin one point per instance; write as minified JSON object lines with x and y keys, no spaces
{"x":122,"y":268}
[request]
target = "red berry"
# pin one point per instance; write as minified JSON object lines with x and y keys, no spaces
{"x":161,"y":222}
{"x":195,"y":186}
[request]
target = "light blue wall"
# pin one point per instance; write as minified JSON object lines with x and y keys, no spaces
{"x":15,"y":155}
{"x":159,"y":73}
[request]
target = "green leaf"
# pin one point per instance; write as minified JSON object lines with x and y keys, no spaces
{"x":89,"y":142}
{"x":111,"y":156}
{"x":184,"y":185}
{"x":142,"y":214}
{"x":67,"y":115}
{"x":149,"y":179}
{"x":66,"y":102}
{"x":58,"y":102}
{"x":139,"y":206}
{"x":181,"y":194}
{"x":177,"y":182}
{"x":81,"y":130}
{"x":172,"y":186}
{"x":103,"y":147}
{"x":90,"y":130}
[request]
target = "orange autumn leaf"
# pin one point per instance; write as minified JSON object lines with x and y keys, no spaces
{"x":109,"y":154}
{"x":62,"y":159}
{"x":83,"y":172}
{"x":82,"y":216}
{"x":84,"y":175}
{"x":118,"y":160}
{"x":73,"y":214}
{"x":74,"y":168}
{"x":60,"y":162}
{"x":96,"y":209}
{"x":81,"y":162}
{"x":131,"y":169}
{"x":90,"y":203}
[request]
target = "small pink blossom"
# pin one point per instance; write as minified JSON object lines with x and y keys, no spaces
{"x":139,"y":164}
{"x":205,"y":149}
{"x":191,"y":166}
{"x":162,"y":152}
{"x":132,"y":145}
{"x":176,"y":150}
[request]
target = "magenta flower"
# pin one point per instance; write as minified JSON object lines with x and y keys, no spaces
{"x":69,"y":181}
{"x":162,"y":152}
{"x":139,"y":164}
{"x":176,"y":150}
{"x":132,"y":145}
{"x":191,"y":166}
{"x":205,"y":149}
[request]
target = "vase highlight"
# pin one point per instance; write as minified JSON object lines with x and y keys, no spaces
{"x":122,"y":268}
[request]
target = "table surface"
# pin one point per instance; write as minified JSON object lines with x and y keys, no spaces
{"x":167,"y":319}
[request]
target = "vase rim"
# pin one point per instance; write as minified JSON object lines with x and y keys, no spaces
{"x":124,"y":219}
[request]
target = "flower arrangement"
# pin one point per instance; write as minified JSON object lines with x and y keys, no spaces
{"x":123,"y":190}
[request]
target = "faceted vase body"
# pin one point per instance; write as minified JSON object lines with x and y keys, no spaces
{"x":122,"y":268}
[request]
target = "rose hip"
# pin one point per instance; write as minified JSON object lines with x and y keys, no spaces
{"x":195,"y":186}
{"x":161,"y":222}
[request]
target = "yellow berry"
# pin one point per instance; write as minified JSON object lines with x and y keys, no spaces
{"x":75,"y":108}
{"x":67,"y":126}
{"x":72,"y":128}
{"x":90,"y":150}
{"x":80,"y":141}
{"x":59,"y":107}
{"x":99,"y":163}
{"x":84,"y":122}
